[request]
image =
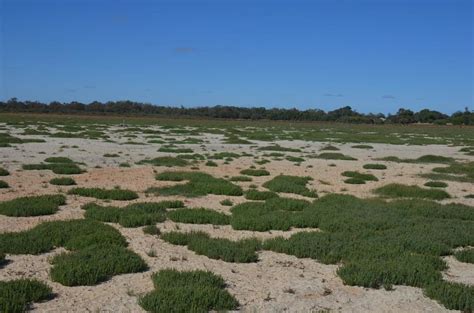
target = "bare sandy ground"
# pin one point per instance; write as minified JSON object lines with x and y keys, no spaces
{"x":277,"y":283}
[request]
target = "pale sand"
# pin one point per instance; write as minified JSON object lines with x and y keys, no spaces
{"x":276,"y":283}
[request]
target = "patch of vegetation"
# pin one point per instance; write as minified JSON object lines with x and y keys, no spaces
{"x":4,"y":184}
{"x":224,"y":155}
{"x":358,"y":178}
{"x":335,"y":156}
{"x":193,"y":291}
{"x":278,"y":148}
{"x":255,"y":172}
{"x":465,"y":255}
{"x":294,"y":159}
{"x":59,"y":160}
{"x":429,"y":158}
{"x":111,"y":155}
{"x":290,"y":184}
{"x":151,"y":230}
{"x":374,"y":166}
{"x":132,"y":215}
{"x":436,"y":184}
{"x":253,"y":194}
{"x":329,"y":148}
{"x":199,"y":216}
{"x":405,"y":191}
{"x":242,"y":251}
{"x":17,"y":295}
{"x":226,"y":202}
{"x":382,"y":243}
{"x":240,"y":178}
{"x":94,"y":264}
{"x":32,"y":205}
{"x":109,"y":194}
{"x":97,"y":250}
{"x":211,"y":163}
{"x":4,"y":172}
{"x":165,"y":161}
{"x":362,"y":147}
{"x":62,"y":181}
{"x":199,"y":184}
{"x":171,"y":149}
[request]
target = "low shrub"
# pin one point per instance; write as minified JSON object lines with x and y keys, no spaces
{"x":62,"y":181}
{"x":240,"y":178}
{"x":399,"y":190}
{"x":294,"y":159}
{"x":255,"y":172}
{"x":193,"y":291}
{"x":465,"y":255}
{"x":226,"y":202}
{"x":374,"y":166}
{"x":362,"y":147}
{"x":253,"y":194}
{"x":359,"y":176}
{"x":199,"y":184}
{"x":32,"y":205}
{"x":99,"y":193}
{"x":242,"y":251}
{"x":290,"y":184}
{"x":175,"y":150}
{"x":335,"y":156}
{"x":329,"y":148}
{"x":211,"y":163}
{"x":355,"y":181}
{"x":17,"y":295}
{"x":199,"y":216}
{"x":4,"y":184}
{"x":436,"y":184}
{"x":151,"y":230}
{"x":165,"y":161}
{"x":4,"y":172}
{"x":278,"y":148}
{"x":94,"y":264}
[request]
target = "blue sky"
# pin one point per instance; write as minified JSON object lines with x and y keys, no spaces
{"x":374,"y":55}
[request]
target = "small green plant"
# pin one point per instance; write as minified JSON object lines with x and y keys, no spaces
{"x":242,"y":251}
{"x":436,"y":184}
{"x":4,"y":172}
{"x":355,"y":181}
{"x":374,"y":166}
{"x":335,"y":156}
{"x":227,"y":202}
{"x":255,"y":172}
{"x":253,"y":194}
{"x":240,"y":178}
{"x":211,"y":163}
{"x":111,"y":155}
{"x":4,"y":184}
{"x":290,"y":184}
{"x":171,"y":149}
{"x":199,"y":216}
{"x":362,"y":147}
{"x":32,"y":205}
{"x":165,"y":161}
{"x":329,"y":148}
{"x":151,"y":230}
{"x":358,"y":178}
{"x":17,"y":295}
{"x":278,"y":148}
{"x":99,"y":193}
{"x":465,"y":255}
{"x":203,"y":291}
{"x":62,"y":181}
{"x":399,"y":190}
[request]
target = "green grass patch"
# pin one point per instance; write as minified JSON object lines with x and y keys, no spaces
{"x":4,"y":172}
{"x":255,"y":172}
{"x":198,"y":216}
{"x":211,"y":163}
{"x":465,"y":255}
{"x":335,"y":156}
{"x":226,"y":202}
{"x":329,"y":148}
{"x":17,"y":295}
{"x":362,"y":147}
{"x":132,"y":215}
{"x":240,"y":178}
{"x":278,"y":148}
{"x":242,"y":251}
{"x":374,"y":166}
{"x":4,"y":184}
{"x":165,"y":161}
{"x":100,"y":193}
{"x":198,"y":184}
{"x":151,"y":230}
{"x":192,"y":291}
{"x":291,"y":184}
{"x":436,"y":184}
{"x":253,"y":194}
{"x":32,"y":205}
{"x":429,"y":158}
{"x":359,"y":176}
{"x":62,"y":181}
{"x":405,"y":191}
{"x":175,"y":150}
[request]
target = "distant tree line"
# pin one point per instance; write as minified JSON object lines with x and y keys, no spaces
{"x":345,"y":114}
